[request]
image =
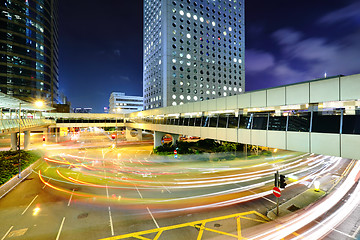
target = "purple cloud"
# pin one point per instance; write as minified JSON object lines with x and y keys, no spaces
{"x":287,"y":36}
{"x":349,"y":12}
{"x":258,"y":60}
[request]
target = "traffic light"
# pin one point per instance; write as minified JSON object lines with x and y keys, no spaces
{"x":276,"y":183}
{"x":282,"y":181}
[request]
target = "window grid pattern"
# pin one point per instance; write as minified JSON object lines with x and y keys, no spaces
{"x":204,"y":51}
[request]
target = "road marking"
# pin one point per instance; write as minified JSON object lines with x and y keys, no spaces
{"x":166,"y":188}
{"x":264,"y":197}
{"x":61,"y":226}
{"x":336,"y":230}
{"x":29,"y":205}
{"x":111,"y":222}
{"x":7,"y":233}
{"x":71,"y":197}
{"x":45,"y":184}
{"x":356,"y":232}
{"x":138,"y":191}
{"x":157,"y":225}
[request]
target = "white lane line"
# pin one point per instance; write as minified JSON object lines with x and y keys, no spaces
{"x":111,"y":223}
{"x":71,"y":197}
{"x":336,"y":230}
{"x":107,"y":191}
{"x":157,"y":225}
{"x":356,"y":232}
{"x":61,"y":226}
{"x":110,"y":217}
{"x":138,"y":191}
{"x":264,"y":197}
{"x":29,"y":205}
{"x":7,"y":233}
{"x":45,"y":184}
{"x":166,"y":188}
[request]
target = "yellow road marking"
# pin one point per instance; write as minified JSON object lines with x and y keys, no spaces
{"x":238,"y":224}
{"x":197,"y":224}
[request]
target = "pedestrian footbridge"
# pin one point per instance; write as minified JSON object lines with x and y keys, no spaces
{"x":320,"y":116}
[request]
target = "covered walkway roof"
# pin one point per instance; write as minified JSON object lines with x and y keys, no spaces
{"x":9,"y":102}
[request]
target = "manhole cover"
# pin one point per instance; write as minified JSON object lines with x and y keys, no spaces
{"x":83,"y":215}
{"x":293,"y":208}
{"x":217,"y":225}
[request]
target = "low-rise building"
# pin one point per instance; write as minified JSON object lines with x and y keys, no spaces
{"x":120,"y":103}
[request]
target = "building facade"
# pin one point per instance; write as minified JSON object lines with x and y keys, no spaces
{"x":29,"y":49}
{"x":194,"y":50}
{"x":120,"y":103}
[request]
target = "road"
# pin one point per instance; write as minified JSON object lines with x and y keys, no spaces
{"x":90,"y":190}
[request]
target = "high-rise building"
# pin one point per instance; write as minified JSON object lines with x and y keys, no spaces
{"x":120,"y":103}
{"x":29,"y":49}
{"x":193,"y":50}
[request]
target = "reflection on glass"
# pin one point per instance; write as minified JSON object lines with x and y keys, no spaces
{"x":351,"y":124}
{"x":245,"y":122}
{"x":222,"y":122}
{"x":325,"y":123}
{"x":299,"y":122}
{"x":213,"y":121}
{"x":277,"y":123}
{"x":260,"y":122}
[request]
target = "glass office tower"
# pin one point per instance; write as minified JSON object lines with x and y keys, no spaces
{"x":29,"y":49}
{"x":193,"y":50}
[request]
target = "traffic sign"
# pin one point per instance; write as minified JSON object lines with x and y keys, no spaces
{"x":277,"y":192}
{"x":175,"y":152}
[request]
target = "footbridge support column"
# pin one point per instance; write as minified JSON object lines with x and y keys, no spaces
{"x":26,"y":140}
{"x":14,"y":141}
{"x":133,"y":134}
{"x":159,"y":135}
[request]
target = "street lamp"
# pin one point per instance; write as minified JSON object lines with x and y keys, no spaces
{"x":39,"y":104}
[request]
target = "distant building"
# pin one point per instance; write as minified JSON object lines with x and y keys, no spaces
{"x":82,"y":110}
{"x":29,"y":65}
{"x":120,"y":103}
{"x":62,"y":108}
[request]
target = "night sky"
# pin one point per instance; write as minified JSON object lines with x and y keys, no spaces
{"x":286,"y":42}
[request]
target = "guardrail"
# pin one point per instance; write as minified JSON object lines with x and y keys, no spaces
{"x":9,"y":125}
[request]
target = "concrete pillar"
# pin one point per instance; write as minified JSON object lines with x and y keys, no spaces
{"x":137,"y":134}
{"x":26,"y":140}
{"x":175,"y":137}
{"x":13,"y":141}
{"x":157,"y":138}
{"x":57,"y":133}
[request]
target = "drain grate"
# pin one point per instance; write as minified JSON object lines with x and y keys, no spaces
{"x":293,"y":208}
{"x":83,"y":215}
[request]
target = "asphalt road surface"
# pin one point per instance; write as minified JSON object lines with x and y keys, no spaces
{"x":89,"y":189}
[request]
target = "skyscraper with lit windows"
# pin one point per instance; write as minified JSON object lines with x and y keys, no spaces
{"x":193,"y":50}
{"x":29,"y":49}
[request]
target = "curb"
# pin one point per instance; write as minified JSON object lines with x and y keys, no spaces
{"x":14,"y":181}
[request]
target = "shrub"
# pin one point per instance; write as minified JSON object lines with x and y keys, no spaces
{"x":9,"y":161}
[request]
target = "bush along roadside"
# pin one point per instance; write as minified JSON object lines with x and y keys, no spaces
{"x":9,"y":163}
{"x":206,"y":145}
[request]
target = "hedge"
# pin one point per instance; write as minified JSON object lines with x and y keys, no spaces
{"x":9,"y":161}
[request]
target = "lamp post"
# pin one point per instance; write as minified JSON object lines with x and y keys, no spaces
{"x":19,"y":140}
{"x":38,"y":104}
